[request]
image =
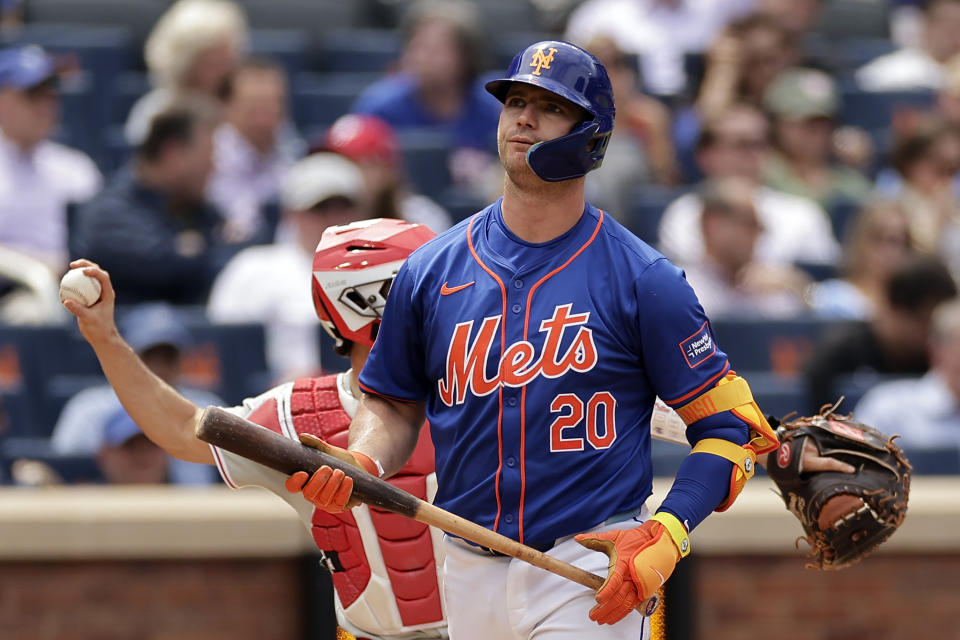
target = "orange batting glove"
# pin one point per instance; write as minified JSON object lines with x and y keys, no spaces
{"x":329,"y":489}
{"x":641,"y":560}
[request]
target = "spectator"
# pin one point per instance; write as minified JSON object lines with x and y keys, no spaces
{"x":640,"y":149}
{"x":804,"y":105}
{"x":924,"y":411}
{"x":127,"y":456}
{"x":193,"y":49}
{"x":661,"y":32}
{"x":797,"y":16}
{"x":893,"y":342}
{"x":11,"y":15}
{"x":252,"y":148}
{"x":38,"y":177}
{"x":928,"y":163}
{"x":736,"y":144}
{"x":879,"y":239}
{"x":742,"y":63}
{"x":151,"y":227}
{"x":921,"y":67}
{"x":372,"y":145}
{"x":728,"y":280}
{"x":270,"y":284}
{"x":437,"y":86}
{"x":93,"y":421}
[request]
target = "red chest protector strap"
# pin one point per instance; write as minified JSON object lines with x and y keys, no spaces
{"x":405,"y":545}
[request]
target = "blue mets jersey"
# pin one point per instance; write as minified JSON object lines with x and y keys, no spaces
{"x":539,"y":365}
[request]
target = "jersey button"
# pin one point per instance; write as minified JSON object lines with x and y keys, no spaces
{"x":516,"y":308}
{"x":508,"y":518}
{"x":518,"y":284}
{"x":512,"y":402}
{"x":511,"y":462}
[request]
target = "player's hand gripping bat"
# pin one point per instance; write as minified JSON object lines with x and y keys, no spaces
{"x":245,"y":438}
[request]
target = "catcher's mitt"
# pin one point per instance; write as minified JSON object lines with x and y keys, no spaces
{"x":845,"y":516}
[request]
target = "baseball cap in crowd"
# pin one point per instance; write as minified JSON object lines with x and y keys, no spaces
{"x":802,"y":93}
{"x":362,"y":137}
{"x":25,"y":66}
{"x":319,"y":177}
{"x":119,"y":428}
{"x":154,"y":324}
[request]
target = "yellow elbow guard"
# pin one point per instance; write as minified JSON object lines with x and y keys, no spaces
{"x":733,"y":394}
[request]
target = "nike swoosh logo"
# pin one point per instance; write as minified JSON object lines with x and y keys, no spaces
{"x":660,"y":575}
{"x":445,"y":290}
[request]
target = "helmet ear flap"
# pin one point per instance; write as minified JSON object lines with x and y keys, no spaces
{"x":570,"y":156}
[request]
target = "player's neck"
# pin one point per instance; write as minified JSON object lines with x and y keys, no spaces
{"x":543,"y":213}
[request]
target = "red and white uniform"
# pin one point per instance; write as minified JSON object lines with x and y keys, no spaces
{"x":387,"y":567}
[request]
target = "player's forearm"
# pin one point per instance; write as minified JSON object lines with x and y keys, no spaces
{"x":387,"y":431}
{"x":164,"y":415}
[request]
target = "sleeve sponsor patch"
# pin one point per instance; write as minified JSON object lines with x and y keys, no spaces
{"x":699,"y":347}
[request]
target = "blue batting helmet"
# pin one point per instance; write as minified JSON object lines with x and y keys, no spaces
{"x":574,"y":74}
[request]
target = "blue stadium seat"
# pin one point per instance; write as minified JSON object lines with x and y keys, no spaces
{"x":39,"y":361}
{"x":934,"y":461}
{"x":425,"y":160}
{"x":228,"y":359}
{"x":776,"y":395}
{"x":778,"y":346}
{"x":317,"y":16}
{"x":70,"y":468}
{"x":645,"y":208}
{"x":359,"y":50}
{"x":874,"y":110}
{"x":137,"y":17}
{"x":320,"y":98}
{"x":288,"y":47}
{"x":125,"y":89}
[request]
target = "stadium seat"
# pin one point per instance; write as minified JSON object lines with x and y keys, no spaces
{"x":287,"y":47}
{"x":425,"y":160}
{"x":874,"y":110}
{"x":138,"y":17}
{"x":645,"y":208}
{"x":359,"y":50}
{"x":320,"y":98}
{"x":840,"y":20}
{"x":125,"y":89}
{"x":934,"y":461}
{"x":316,"y":16}
{"x":776,"y":346}
{"x":228,"y":359}
{"x":70,"y":468}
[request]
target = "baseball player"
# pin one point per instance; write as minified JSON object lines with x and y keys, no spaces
{"x":385,"y":567}
{"x":535,"y":336}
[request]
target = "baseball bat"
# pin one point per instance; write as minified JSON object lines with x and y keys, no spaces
{"x":248,"y":439}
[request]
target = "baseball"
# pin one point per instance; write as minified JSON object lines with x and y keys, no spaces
{"x":76,"y":285}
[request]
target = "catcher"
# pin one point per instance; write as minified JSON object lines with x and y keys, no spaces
{"x":849,"y":514}
{"x":846,"y":482}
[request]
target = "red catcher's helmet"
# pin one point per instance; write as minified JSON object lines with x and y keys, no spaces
{"x":353,"y":269}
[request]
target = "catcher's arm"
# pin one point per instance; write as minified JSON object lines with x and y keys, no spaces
{"x":164,"y":415}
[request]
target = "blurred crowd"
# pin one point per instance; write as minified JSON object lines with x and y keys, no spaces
{"x":799,"y":159}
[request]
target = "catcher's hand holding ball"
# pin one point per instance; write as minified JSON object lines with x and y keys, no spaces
{"x":845,"y":514}
{"x":76,"y":285}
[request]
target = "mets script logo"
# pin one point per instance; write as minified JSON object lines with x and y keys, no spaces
{"x":467,"y":356}
{"x":541,"y":60}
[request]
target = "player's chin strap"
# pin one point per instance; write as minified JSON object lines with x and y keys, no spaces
{"x":733,"y":394}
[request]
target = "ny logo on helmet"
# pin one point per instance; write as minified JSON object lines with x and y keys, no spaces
{"x":541,"y":60}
